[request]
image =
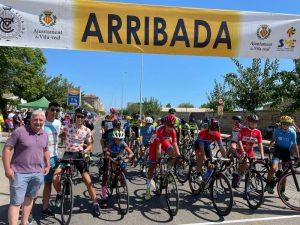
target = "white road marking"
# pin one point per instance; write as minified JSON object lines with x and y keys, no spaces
{"x":247,"y":220}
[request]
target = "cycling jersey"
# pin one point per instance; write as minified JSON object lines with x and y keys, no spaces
{"x":161,"y":136}
{"x":75,"y":137}
{"x":146,"y":133}
{"x":206,"y":139}
{"x":115,"y":149}
{"x":193,"y":127}
{"x":285,"y":139}
{"x":126,"y":127}
{"x":248,"y":137}
{"x":236,"y":128}
{"x":135,"y":126}
{"x":185,"y":129}
{"x":177,"y":125}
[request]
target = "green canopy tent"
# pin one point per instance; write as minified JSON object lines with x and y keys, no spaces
{"x":41,"y":103}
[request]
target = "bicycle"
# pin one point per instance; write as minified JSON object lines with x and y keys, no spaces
{"x":217,"y":183}
{"x":67,"y":190}
{"x":143,"y":160}
{"x":164,"y":179}
{"x":288,"y":178}
{"x":254,"y":189}
{"x":116,"y":179}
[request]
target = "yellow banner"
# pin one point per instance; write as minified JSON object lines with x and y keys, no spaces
{"x":155,"y":29}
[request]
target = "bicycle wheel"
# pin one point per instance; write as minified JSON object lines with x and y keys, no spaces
{"x":254,"y":189}
{"x":172,"y":195}
{"x":122,"y":193}
{"x":182,"y":169}
{"x":194,"y":185}
{"x":290,"y":193}
{"x":221,"y":194}
{"x":67,"y":201}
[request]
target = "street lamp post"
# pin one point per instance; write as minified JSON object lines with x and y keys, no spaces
{"x":141,"y":82}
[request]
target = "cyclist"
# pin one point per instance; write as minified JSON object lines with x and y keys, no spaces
{"x":234,"y":137}
{"x":164,"y":139}
{"x":177,"y":125}
{"x":247,"y":137}
{"x":203,"y":147}
{"x":126,"y":128}
{"x":185,"y":128}
{"x":284,"y":139}
{"x":146,"y":134}
{"x":114,"y":149}
{"x":135,"y":126}
{"x":76,"y":134}
{"x":109,"y":127}
{"x":193,"y":127}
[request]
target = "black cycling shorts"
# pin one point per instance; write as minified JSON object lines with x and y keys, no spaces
{"x":81,"y":166}
{"x":282,"y":154}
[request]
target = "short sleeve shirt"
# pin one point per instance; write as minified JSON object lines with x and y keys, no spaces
{"x":116,"y":150}
{"x":285,"y":139}
{"x":249,"y":137}
{"x":162,"y":134}
{"x":146,"y":133}
{"x":52,"y":129}
{"x":29,"y":148}
{"x":205,"y":138}
{"x":75,"y":137}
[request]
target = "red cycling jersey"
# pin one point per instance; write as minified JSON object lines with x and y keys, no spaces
{"x":161,"y":136}
{"x":248,"y":138}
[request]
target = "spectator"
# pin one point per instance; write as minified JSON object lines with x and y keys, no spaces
{"x":27,"y":118}
{"x":1,"y":121}
{"x":17,"y":121}
{"x":26,"y":170}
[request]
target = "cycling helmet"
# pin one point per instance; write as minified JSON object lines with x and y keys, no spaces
{"x":213,"y":124}
{"x":286,"y":119}
{"x":149,"y":120}
{"x":192,"y":120}
{"x":117,"y":124}
{"x":81,"y":111}
{"x":118,"y":134}
{"x":170,"y":119}
{"x":238,"y":118}
{"x":183,"y":121}
{"x":252,"y":118}
{"x":172,"y":111}
{"x":113,"y":111}
{"x":67,"y":115}
{"x":128,"y":117}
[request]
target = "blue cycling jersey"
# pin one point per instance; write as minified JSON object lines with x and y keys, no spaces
{"x":146,"y":133}
{"x":116,"y":150}
{"x":126,"y":126}
{"x":285,"y":139}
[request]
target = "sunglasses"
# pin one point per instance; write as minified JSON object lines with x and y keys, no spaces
{"x":286,"y":124}
{"x":55,"y":110}
{"x":79,"y":116}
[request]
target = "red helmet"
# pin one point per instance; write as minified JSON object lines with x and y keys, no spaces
{"x":113,"y":111}
{"x":170,"y":119}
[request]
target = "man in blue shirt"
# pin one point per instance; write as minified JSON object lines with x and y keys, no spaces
{"x":146,"y":134}
{"x":285,"y":139}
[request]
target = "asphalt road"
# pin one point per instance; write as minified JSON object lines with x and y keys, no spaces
{"x":193,"y":209}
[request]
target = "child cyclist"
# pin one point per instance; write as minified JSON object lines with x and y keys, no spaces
{"x":146,"y":134}
{"x":234,"y":137}
{"x":114,"y":149}
{"x":248,"y":136}
{"x":164,"y":139}
{"x":203,"y":147}
{"x":284,"y":139}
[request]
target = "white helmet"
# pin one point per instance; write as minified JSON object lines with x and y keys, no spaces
{"x":118,"y":134}
{"x":149,"y":120}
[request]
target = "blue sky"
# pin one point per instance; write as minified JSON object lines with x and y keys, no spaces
{"x":170,"y":79}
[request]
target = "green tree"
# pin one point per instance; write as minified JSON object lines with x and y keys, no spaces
{"x":286,"y":98}
{"x":252,"y":87}
{"x":185,"y":105}
{"x":57,"y":90}
{"x":168,"y":105}
{"x":150,"y":107}
{"x":220,"y":91}
{"x":22,"y":72}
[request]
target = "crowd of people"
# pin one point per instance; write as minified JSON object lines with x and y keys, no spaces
{"x":35,"y":160}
